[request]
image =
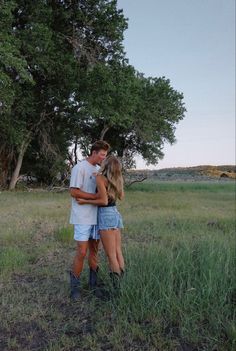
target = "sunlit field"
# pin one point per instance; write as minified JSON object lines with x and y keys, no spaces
{"x":178,"y":292}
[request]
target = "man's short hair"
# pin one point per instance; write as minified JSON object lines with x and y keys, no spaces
{"x":99,"y":145}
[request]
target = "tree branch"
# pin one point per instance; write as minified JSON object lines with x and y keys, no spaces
{"x":136,"y":181}
{"x":103,"y":132}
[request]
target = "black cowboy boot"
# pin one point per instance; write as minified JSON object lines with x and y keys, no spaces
{"x":98,"y":291}
{"x":93,"y":278}
{"x":115,"y":279}
{"x":75,"y":287}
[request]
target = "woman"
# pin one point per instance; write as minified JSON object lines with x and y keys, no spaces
{"x":110,"y":188}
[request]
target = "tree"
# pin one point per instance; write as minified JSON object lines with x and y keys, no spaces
{"x":13,"y":71}
{"x":136,"y":115}
{"x":107,"y":95}
{"x":49,"y":46}
{"x":65,"y":80}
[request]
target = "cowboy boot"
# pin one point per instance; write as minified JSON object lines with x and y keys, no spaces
{"x":93,"y":278}
{"x":98,"y":291}
{"x":75,"y":287}
{"x":115,"y":279}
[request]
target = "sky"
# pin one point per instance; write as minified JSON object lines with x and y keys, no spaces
{"x":192,"y":43}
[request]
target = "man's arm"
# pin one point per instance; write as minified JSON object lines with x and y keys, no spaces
{"x":102,"y":198}
{"x":76,"y":192}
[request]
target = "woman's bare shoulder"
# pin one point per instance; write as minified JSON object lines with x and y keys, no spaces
{"x":100,"y":179}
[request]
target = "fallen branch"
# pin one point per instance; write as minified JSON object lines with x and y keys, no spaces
{"x":136,"y":181}
{"x":58,"y":189}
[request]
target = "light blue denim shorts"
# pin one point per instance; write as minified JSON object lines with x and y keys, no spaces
{"x":85,"y":232}
{"x":109,"y":218}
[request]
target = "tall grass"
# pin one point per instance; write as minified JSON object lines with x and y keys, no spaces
{"x":155,"y":186}
{"x":187,"y":286}
{"x":12,"y":259}
{"x":178,"y":292}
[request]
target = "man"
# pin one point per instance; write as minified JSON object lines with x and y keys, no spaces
{"x":84,"y":217}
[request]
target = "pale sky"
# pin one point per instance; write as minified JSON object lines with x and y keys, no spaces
{"x":192,"y":43}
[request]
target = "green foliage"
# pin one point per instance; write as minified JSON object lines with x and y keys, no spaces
{"x":12,"y":258}
{"x":46,"y":44}
{"x":65,"y":235}
{"x":136,"y":115}
{"x":184,"y":286}
{"x":153,"y":186}
{"x":13,"y":66}
{"x":159,"y":110}
{"x":65,"y":79}
{"x":108,"y":93}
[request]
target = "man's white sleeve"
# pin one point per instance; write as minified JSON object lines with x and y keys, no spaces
{"x":77,"y":177}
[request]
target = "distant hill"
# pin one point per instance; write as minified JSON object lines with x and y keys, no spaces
{"x":198,"y":173}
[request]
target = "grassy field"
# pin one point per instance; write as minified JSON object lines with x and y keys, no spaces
{"x":179,"y":291}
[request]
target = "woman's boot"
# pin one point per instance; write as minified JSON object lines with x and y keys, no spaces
{"x":93,"y":283}
{"x":75,"y":287}
{"x":93,"y":278}
{"x":115,"y":279}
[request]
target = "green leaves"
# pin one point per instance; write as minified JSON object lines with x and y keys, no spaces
{"x":107,"y":94}
{"x":44,"y":46}
{"x":13,"y":66}
{"x":64,"y":77}
{"x":137,"y":114}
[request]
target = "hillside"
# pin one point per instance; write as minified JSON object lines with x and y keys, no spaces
{"x":198,"y":173}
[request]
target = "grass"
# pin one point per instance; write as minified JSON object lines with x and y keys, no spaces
{"x":153,"y":186}
{"x":179,"y":290}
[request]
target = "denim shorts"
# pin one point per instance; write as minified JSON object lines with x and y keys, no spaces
{"x":85,"y":232}
{"x":109,"y":218}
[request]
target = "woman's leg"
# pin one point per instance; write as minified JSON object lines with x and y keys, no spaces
{"x":81,"y":251}
{"x":119,"y":254}
{"x":108,"y":238}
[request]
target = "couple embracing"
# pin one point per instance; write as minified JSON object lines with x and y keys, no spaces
{"x":96,"y":183}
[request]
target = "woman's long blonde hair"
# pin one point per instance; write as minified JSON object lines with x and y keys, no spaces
{"x":111,"y":169}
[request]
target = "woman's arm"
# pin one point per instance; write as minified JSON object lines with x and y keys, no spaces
{"x":77,"y":193}
{"x":102,"y":198}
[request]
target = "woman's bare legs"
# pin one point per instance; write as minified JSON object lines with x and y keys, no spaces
{"x":119,"y":254}
{"x":109,"y":242}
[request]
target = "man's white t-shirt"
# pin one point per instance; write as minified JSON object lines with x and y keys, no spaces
{"x":83,"y":176}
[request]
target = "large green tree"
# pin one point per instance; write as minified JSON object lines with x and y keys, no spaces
{"x":136,"y":115}
{"x":48,"y":47}
{"x":65,"y":80}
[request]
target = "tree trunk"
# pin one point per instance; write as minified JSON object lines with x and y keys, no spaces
{"x":6,"y":160}
{"x":75,"y":150}
{"x":15,"y":175}
{"x":105,"y":129}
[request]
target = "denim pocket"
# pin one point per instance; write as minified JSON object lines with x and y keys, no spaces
{"x":108,"y":220}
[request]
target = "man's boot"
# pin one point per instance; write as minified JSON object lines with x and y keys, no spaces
{"x":75,"y":287}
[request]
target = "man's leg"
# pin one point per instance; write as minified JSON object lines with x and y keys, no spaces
{"x":78,"y":263}
{"x":81,"y":235}
{"x":93,"y":253}
{"x":81,"y":251}
{"x":93,"y":262}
